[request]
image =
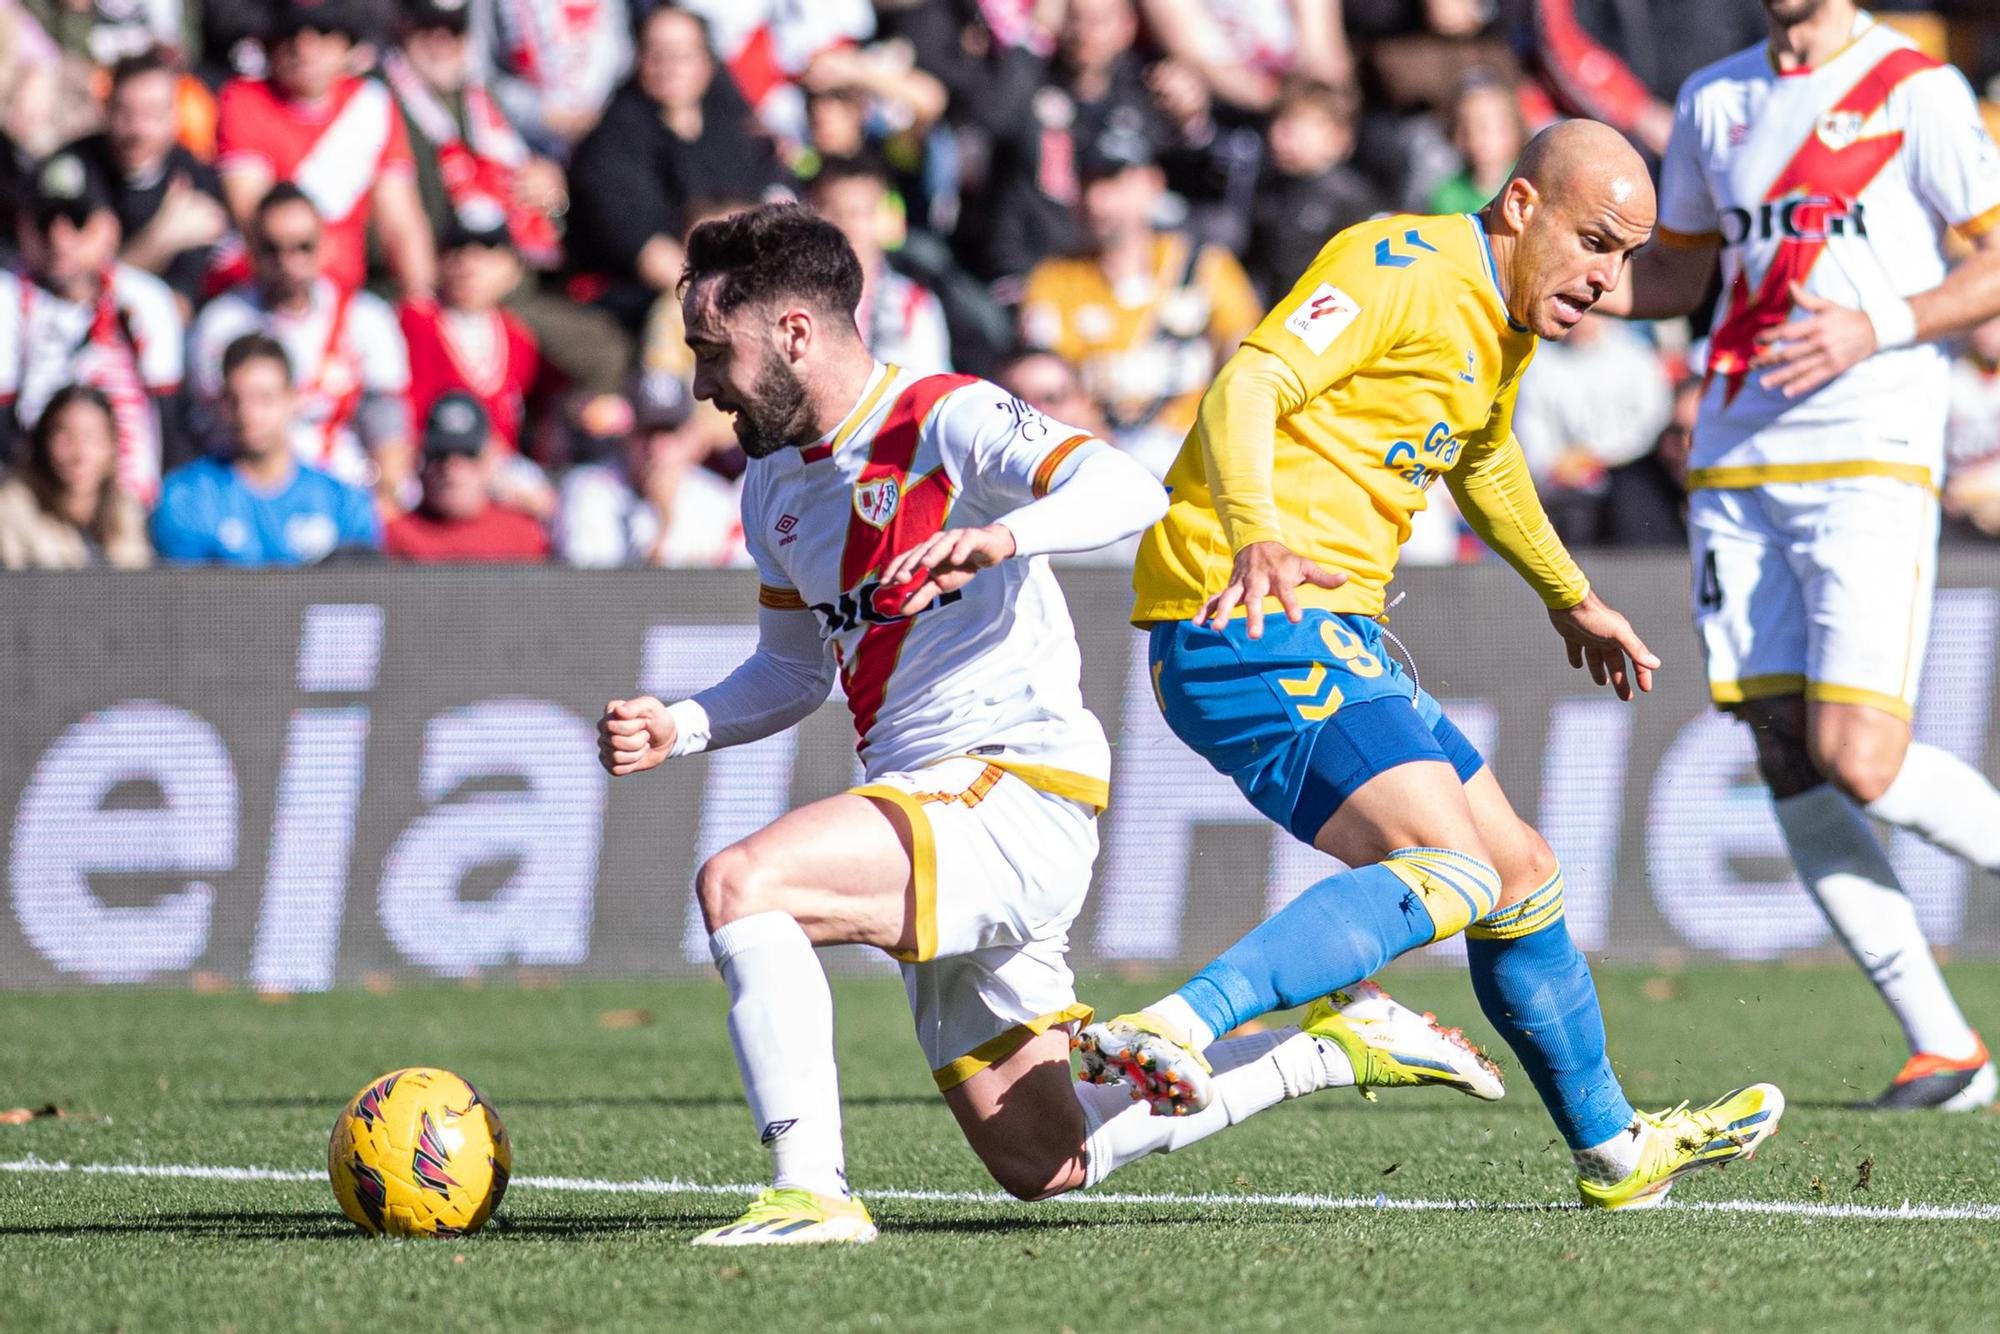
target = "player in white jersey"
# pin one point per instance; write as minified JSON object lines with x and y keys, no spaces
{"x":901,"y":526}
{"x":1825,"y":169}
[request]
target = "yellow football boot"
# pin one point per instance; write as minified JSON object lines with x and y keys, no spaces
{"x":1392,"y":1046}
{"x":1676,"y":1142}
{"x":1145,"y":1051}
{"x":795,"y":1218}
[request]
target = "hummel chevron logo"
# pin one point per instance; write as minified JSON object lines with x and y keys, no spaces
{"x":1385,"y":258}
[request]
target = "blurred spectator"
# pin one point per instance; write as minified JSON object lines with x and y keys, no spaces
{"x":1488,"y":132}
{"x":1038,"y":110}
{"x":1051,"y":386}
{"x":464,"y":340}
{"x":258,"y":505}
{"x":169,"y":202}
{"x":74,"y":314}
{"x":44,"y":91}
{"x":62,"y":510}
{"x":1241,"y":49}
{"x":458,"y":519}
{"x":338,"y":138}
{"x":464,"y":146}
{"x":1972,"y":433}
{"x":1595,"y":400}
{"x":1309,"y":192}
{"x":639,"y":494}
{"x":901,"y":320}
{"x":1624,"y":63}
{"x":1644,"y":503}
{"x":1145,"y":315}
{"x":768,"y":47}
{"x":344,"y":348}
{"x":103,"y":32}
{"x":552,"y":63}
{"x":674,"y":133}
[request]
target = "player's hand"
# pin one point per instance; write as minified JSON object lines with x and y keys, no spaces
{"x":1265,"y":569}
{"x":1803,"y":354}
{"x":634,"y":735}
{"x":1602,"y":639}
{"x":939,"y":565}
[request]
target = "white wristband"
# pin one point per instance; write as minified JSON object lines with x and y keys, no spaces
{"x":691,"y":727}
{"x":1895,"y":324}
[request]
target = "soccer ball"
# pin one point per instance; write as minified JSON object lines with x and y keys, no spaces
{"x":418,"y":1153}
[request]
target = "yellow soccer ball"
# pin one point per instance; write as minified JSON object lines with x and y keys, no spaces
{"x":418,"y":1153}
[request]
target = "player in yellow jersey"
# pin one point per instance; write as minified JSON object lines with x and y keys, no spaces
{"x":1394,"y":362}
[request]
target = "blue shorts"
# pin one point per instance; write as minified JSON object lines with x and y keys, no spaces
{"x":1301,"y":718}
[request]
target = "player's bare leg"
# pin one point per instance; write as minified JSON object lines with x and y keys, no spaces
{"x":1535,"y":987}
{"x":1829,"y":766}
{"x":837,"y":871}
{"x":1421,"y":873}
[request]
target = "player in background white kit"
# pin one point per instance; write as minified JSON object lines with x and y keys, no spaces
{"x":901,"y":526}
{"x":1825,"y":169}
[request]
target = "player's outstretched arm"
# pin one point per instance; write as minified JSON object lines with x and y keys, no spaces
{"x":1664,"y":279}
{"x":1496,"y":494}
{"x":1236,"y":426}
{"x":788,"y":677}
{"x":1096,"y":496}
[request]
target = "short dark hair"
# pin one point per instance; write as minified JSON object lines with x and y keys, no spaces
{"x":255,"y":347}
{"x":1338,"y":102}
{"x":775,"y":251}
{"x":279,"y":195}
{"x":153,"y":60}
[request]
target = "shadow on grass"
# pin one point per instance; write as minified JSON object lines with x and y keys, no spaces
{"x":241,"y":1225}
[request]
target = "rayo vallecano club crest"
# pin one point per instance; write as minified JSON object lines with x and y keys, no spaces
{"x":1839,"y":129}
{"x":876,"y":501}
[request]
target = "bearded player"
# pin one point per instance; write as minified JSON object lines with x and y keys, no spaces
{"x":1395,"y":361}
{"x":901,"y":525}
{"x":1824,"y":170}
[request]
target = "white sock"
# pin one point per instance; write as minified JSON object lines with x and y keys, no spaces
{"x":781,"y":1023}
{"x":1612,"y":1161}
{"x":1844,"y":868}
{"x":1182,"y":1016}
{"x":1251,"y":1074}
{"x":1943,"y":799}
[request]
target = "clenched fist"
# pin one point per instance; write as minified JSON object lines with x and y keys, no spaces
{"x":634,"y":735}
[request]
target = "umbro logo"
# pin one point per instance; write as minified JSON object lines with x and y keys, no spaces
{"x":785,"y":524}
{"x":775,"y":1129}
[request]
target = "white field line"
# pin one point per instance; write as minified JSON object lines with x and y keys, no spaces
{"x":1942,"y":1213}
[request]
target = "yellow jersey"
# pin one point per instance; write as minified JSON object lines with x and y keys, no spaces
{"x":1392,"y":362}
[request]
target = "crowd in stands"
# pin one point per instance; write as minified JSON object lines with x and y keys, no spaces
{"x":290,"y":281}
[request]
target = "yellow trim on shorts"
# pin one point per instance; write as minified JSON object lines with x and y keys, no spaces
{"x":1082,"y":788}
{"x":1749,"y":475}
{"x":1827,"y":692}
{"x":1748,"y":688}
{"x":997,"y":1049}
{"x":1977,"y":226}
{"x":923,"y":866}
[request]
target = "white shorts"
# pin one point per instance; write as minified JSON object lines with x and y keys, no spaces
{"x":1002,"y":868}
{"x":1815,"y":588}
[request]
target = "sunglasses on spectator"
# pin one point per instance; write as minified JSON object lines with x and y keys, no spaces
{"x":279,"y":249}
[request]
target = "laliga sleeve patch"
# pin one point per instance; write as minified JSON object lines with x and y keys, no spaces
{"x":1319,"y":319}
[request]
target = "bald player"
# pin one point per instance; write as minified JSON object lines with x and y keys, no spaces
{"x":1395,"y":361}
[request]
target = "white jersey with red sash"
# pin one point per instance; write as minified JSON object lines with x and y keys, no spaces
{"x":990,"y":671}
{"x":341,"y":346}
{"x":1843,"y":179}
{"x":127,"y":343}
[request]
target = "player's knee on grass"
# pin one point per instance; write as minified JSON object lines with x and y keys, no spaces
{"x":1022,"y":1118}
{"x":732,"y":884}
{"x":1034,"y":1169}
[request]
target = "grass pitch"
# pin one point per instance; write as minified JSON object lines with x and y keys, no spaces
{"x":618,"y":1083}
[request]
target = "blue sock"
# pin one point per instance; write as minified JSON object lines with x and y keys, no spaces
{"x":1332,"y":936}
{"x":1534,"y":985}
